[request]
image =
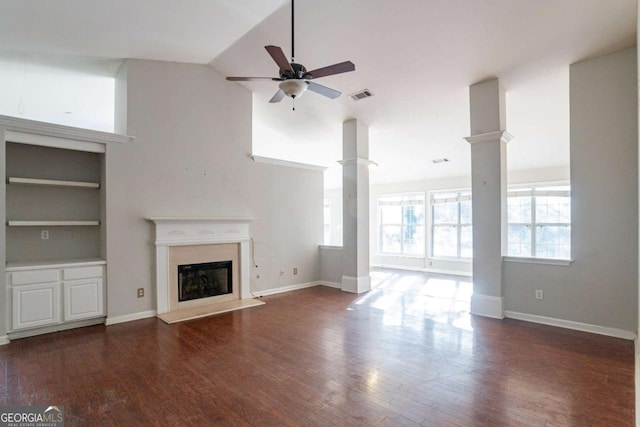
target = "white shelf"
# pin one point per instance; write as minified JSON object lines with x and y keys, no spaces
{"x":40,"y":265}
{"x":52,"y":182}
{"x":51,"y":223}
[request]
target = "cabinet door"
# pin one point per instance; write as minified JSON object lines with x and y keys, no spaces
{"x":36,"y":305}
{"x":83,"y":299}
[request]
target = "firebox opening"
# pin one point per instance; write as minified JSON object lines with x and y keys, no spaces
{"x":209,"y":279}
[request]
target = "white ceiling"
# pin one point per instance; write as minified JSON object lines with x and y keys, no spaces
{"x":418,"y":57}
{"x":183,"y":31}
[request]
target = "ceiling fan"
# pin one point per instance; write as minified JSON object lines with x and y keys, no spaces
{"x":293,"y":77}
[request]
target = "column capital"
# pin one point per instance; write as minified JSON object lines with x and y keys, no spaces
{"x":501,"y":135}
{"x":357,"y":161}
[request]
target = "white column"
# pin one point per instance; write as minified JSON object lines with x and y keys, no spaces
{"x":355,"y":207}
{"x":489,"y":196}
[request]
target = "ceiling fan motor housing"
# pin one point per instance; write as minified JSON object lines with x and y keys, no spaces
{"x":299,"y":72}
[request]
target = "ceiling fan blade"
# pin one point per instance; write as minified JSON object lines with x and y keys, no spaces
{"x":323,"y":90}
{"x":342,"y":67}
{"x":277,"y":97}
{"x":278,"y":55}
{"x":250,"y":79}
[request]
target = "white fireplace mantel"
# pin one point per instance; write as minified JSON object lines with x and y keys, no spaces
{"x":180,"y":231}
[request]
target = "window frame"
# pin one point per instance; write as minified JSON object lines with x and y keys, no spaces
{"x":533,"y":190}
{"x":326,"y":222}
{"x":462,"y":195}
{"x":402,"y":225}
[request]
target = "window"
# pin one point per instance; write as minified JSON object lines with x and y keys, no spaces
{"x":401,"y":224}
{"x":451,"y":229}
{"x":539,"y":222}
{"x":327,"y":221}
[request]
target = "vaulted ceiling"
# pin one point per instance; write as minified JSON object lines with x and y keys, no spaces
{"x":418,"y":57}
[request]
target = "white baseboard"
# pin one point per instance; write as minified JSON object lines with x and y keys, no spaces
{"x":283,"y":289}
{"x":330,"y":284}
{"x":152,"y":313}
{"x":449,"y":272}
{"x":4,"y":340}
{"x":130,"y":317}
{"x":487,"y":306}
{"x":397,"y":267}
{"x":568,"y":324}
{"x":424,"y":270}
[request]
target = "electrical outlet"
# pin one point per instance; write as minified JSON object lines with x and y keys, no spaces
{"x":539,"y":294}
{"x":140,"y":292}
{"x":295,"y":270}
{"x":44,"y":234}
{"x":281,"y":273}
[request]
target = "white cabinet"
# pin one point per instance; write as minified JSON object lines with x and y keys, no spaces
{"x":55,"y":294}
{"x":83,"y":299}
{"x":35,"y":305}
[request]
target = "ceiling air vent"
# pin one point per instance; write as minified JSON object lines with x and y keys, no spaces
{"x":437,"y":161}
{"x":365,"y":93}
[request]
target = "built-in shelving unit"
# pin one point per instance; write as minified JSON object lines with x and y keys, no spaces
{"x":54,"y":210}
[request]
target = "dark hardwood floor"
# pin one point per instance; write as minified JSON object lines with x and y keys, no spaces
{"x":406,"y":353}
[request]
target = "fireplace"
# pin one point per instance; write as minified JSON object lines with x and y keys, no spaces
{"x":204,"y":280}
{"x":203,"y":274}
{"x":201,"y":242}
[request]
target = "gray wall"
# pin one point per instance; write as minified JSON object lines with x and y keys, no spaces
{"x":191,"y":158}
{"x":331,"y":264}
{"x":600,"y":287}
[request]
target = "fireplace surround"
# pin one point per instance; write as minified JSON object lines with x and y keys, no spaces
{"x":188,"y":240}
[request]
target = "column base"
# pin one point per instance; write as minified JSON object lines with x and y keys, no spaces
{"x":487,"y":306}
{"x":356,"y":285}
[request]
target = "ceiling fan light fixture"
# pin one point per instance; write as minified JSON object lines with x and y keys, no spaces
{"x":293,"y":88}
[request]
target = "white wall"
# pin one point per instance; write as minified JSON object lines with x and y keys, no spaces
{"x":67,"y":90}
{"x":191,"y":158}
{"x":600,"y":287}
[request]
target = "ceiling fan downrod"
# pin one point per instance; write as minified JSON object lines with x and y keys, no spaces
{"x":293,"y":55}
{"x":293,"y":44}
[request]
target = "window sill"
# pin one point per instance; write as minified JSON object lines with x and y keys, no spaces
{"x":401,"y":256}
{"x":544,"y":261}
{"x":330,"y":247}
{"x":445,"y":259}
